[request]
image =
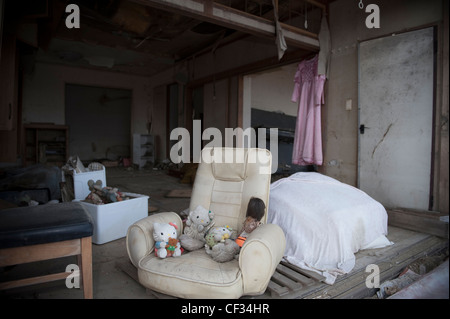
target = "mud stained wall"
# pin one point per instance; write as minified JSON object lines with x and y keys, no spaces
{"x":396,"y":105}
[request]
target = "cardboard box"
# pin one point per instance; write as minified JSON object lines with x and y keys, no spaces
{"x":111,"y":221}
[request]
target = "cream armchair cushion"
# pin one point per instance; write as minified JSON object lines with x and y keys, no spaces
{"x":223,"y":184}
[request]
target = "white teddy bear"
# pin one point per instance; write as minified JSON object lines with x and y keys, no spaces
{"x":166,"y":242}
{"x":199,"y":221}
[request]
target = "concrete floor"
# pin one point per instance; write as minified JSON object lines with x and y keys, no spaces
{"x":109,"y":281}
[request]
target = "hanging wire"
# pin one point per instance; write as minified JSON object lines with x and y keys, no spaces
{"x":306,"y":15}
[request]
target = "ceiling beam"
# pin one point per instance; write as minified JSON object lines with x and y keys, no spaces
{"x":210,"y":11}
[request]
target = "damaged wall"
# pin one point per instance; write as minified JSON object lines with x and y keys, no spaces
{"x":44,"y":93}
{"x":218,"y":72}
{"x":278,"y":98}
{"x":340,"y":126}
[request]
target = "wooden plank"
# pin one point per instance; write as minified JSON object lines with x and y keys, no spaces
{"x":424,"y":222}
{"x":236,"y":19}
{"x":353,"y":285}
{"x":277,"y":290}
{"x":285,"y":281}
{"x":307,"y":273}
{"x":85,"y":263}
{"x":26,"y":254}
{"x":289,"y":279}
{"x":33,"y":280}
{"x":408,"y":247}
{"x":296,"y":276}
{"x":387,"y":272}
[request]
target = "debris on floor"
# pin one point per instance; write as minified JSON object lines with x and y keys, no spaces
{"x":390,"y":287}
{"x":107,"y":163}
{"x":100,"y":195}
{"x":164,"y":164}
{"x":184,"y":171}
{"x":413,"y":273}
{"x":433,"y":285}
{"x":180,"y":193}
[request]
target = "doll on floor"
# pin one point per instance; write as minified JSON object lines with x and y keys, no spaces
{"x":255,"y":212}
{"x":229,"y":248}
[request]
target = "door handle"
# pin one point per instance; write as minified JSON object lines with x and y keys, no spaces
{"x":362,"y":128}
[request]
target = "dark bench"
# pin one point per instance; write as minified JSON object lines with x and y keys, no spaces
{"x":29,"y":234}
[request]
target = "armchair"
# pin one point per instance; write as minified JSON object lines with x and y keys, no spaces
{"x":224,"y":188}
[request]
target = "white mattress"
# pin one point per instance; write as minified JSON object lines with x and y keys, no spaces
{"x":325,"y":222}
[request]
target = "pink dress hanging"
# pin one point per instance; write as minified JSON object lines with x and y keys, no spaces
{"x":308,"y":92}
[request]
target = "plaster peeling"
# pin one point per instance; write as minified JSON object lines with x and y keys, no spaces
{"x":382,"y":139}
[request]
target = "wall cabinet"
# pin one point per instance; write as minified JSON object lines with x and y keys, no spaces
{"x":46,"y":144}
{"x":143,"y":149}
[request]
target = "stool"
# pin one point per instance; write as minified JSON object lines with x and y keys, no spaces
{"x":29,"y":234}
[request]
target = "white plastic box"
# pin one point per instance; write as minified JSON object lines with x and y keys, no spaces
{"x":80,"y":182}
{"x":111,"y":221}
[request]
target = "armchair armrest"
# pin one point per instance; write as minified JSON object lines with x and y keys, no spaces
{"x":140,"y":240}
{"x":259,"y":257}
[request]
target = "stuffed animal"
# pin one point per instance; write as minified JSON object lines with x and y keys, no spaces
{"x":198,"y":222}
{"x":166,"y":242}
{"x":226,"y":251}
{"x":103,"y":195}
{"x":250,"y":224}
{"x":171,"y":246}
{"x":223,"y":252}
{"x":217,"y":235}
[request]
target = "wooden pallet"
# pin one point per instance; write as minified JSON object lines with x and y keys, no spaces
{"x":289,"y":278}
{"x":292,"y":282}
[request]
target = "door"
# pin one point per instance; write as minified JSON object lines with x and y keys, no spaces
{"x":396,"y":80}
{"x":99,"y":121}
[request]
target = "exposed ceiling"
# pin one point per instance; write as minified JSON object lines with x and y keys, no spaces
{"x":144,"y":37}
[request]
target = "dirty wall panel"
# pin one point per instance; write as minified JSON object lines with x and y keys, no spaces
{"x":396,"y":109}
